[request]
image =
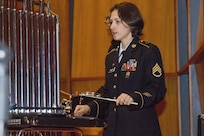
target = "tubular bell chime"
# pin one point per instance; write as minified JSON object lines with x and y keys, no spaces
{"x":31,"y":30}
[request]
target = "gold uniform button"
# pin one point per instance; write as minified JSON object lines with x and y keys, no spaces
{"x":114,"y":109}
{"x":114,"y":86}
{"x":115,"y":75}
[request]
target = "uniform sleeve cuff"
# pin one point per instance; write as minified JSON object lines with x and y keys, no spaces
{"x":94,"y":108}
{"x":137,"y":97}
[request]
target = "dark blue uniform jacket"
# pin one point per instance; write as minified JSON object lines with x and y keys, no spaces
{"x":140,"y":74}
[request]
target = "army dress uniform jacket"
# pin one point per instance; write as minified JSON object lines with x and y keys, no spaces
{"x":139,"y":74}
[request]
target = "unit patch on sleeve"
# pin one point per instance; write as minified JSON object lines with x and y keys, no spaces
{"x":156,"y":70}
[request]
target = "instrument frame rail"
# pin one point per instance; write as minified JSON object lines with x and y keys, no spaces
{"x":38,"y":123}
{"x":24,"y":120}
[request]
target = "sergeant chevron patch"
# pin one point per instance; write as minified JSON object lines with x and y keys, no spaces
{"x":156,"y":70}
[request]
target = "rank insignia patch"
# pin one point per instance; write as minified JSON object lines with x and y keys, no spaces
{"x":156,"y":70}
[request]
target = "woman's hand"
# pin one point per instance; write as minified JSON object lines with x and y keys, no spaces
{"x":124,"y":99}
{"x":80,"y":110}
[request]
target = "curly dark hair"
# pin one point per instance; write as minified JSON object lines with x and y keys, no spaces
{"x":130,"y":14}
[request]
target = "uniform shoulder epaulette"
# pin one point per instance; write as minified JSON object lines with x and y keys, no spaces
{"x":144,"y":43}
{"x":113,"y":50}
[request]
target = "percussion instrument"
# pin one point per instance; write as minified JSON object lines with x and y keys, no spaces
{"x":32,"y":31}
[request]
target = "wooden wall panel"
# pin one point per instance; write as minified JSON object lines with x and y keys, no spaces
{"x":88,"y":85}
{"x":200,"y":64}
{"x":91,"y":41}
{"x":200,"y":78}
{"x":200,"y":34}
{"x":168,"y":109}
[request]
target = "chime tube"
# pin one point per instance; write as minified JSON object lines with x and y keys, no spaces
{"x":34,"y":72}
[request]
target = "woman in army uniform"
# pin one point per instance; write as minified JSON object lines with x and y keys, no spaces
{"x":134,"y":74}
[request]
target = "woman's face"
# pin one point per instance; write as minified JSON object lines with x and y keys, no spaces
{"x":119,"y":29}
